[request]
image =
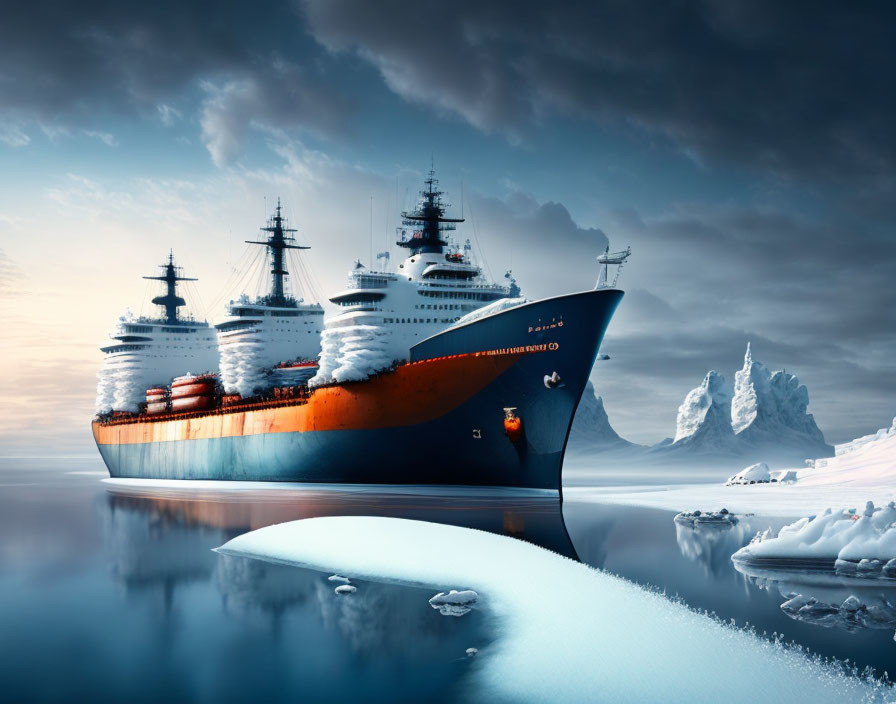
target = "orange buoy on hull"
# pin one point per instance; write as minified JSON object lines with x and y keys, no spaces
{"x":513,"y":425}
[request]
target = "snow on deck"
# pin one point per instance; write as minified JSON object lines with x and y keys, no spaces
{"x":564,"y":631}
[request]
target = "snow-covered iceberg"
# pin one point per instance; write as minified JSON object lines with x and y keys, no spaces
{"x":769,"y":410}
{"x":565,"y":632}
{"x":842,"y":535}
{"x":704,"y":418}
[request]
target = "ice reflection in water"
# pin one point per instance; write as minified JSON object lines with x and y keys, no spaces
{"x":823,"y":598}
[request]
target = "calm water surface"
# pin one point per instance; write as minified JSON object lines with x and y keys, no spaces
{"x":114,"y":593}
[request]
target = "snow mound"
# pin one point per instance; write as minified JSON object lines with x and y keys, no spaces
{"x":494,"y":307}
{"x":857,"y":444}
{"x":591,"y":425}
{"x":754,"y":474}
{"x":834,"y":535}
{"x":564,"y":631}
{"x":705,"y":415}
{"x":353,"y":353}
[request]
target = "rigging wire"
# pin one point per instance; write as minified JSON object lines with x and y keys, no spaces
{"x":479,"y":252}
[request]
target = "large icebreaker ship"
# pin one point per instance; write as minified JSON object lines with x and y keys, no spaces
{"x":445,"y":417}
{"x":488,"y":401}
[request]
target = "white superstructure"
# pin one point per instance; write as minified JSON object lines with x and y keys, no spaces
{"x":149,"y":352}
{"x":383,"y":314}
{"x":257,"y":335}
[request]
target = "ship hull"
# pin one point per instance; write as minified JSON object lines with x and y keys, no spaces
{"x":437,"y":420}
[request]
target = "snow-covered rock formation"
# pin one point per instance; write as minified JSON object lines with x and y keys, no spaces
{"x":591,"y":427}
{"x":768,"y":411}
{"x":704,"y":419}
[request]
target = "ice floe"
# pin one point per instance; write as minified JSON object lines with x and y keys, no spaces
{"x":346,"y":589}
{"x":844,"y":535}
{"x":339,"y":578}
{"x":706,"y":518}
{"x":564,"y":631}
{"x":454,"y":602}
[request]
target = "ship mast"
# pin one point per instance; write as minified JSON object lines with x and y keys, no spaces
{"x":170,"y":301}
{"x":279,"y":241}
{"x":427,"y":222}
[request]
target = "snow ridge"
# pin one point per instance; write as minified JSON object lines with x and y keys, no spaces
{"x":853,"y":445}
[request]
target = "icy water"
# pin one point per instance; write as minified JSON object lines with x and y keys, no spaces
{"x":111,"y":592}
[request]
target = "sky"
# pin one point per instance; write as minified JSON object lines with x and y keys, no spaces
{"x":745,"y":151}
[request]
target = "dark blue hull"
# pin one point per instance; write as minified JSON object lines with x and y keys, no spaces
{"x":467,"y":445}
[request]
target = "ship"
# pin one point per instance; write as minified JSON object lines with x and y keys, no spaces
{"x":484,"y":397}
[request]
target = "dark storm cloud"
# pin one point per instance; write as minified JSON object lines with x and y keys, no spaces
{"x":63,"y":64}
{"x":549,"y":252}
{"x":804,"y":89}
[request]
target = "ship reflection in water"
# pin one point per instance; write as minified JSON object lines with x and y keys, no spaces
{"x":381,"y":642}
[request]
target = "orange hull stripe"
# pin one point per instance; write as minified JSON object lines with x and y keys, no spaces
{"x":413,"y":393}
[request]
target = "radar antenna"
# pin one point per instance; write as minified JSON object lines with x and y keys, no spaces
{"x":608,"y":258}
{"x":170,"y":301}
{"x":279,"y":241}
{"x":427,"y":222}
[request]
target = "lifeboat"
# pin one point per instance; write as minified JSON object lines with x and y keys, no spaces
{"x":190,"y":379}
{"x":202,"y":388}
{"x":156,"y":407}
{"x":191,"y":403}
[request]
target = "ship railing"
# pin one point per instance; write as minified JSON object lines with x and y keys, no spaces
{"x":460,"y":283}
{"x":368,"y":281}
{"x":299,"y":400}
